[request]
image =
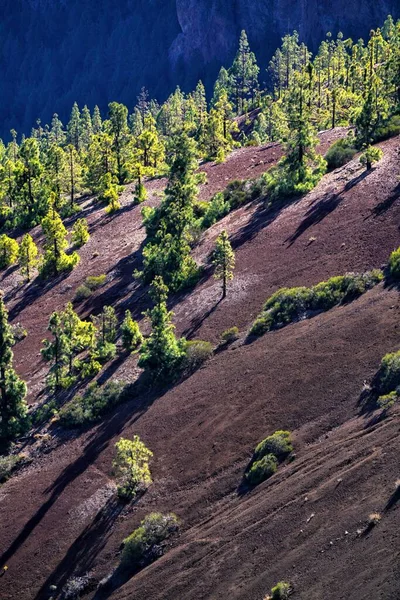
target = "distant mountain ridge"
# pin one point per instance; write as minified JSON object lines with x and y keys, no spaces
{"x":54,"y":52}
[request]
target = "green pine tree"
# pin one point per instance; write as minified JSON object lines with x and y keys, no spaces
{"x":27,"y":256}
{"x":13,"y":408}
{"x":130,"y":333}
{"x":223,"y":261}
{"x":161,"y":353}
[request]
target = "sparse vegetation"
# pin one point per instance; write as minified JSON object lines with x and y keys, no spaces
{"x":374,"y":519}
{"x":340,"y":153}
{"x":279,"y":444}
{"x":389,"y":373}
{"x":80,"y":233}
{"x":92,"y":283}
{"x":8,"y":251}
{"x":197,"y":352}
{"x":289,"y":305}
{"x":90,"y":406}
{"x":7,"y":465}
{"x":261,"y":469}
{"x":76,"y":586}
{"x":267,"y":455}
{"x":131,"y":467}
{"x":230,"y":335}
{"x":394,"y":264}
{"x":281,"y":591}
{"x":161,"y":353}
{"x":144,"y":545}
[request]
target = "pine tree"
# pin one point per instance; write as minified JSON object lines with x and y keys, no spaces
{"x":96,"y":121}
{"x":168,"y":251}
{"x":161,"y":352}
{"x":106,"y":333}
{"x":143,"y":104}
{"x":86,"y":128}
{"x":119,"y":127}
{"x":79,"y":334}
{"x":100,"y":160}
{"x":56,"y":351}
{"x":108,"y":192}
{"x":27,"y":256}
{"x":57,"y":135}
{"x":73,"y":180}
{"x":223,"y":261}
{"x":56,"y":167}
{"x":302,"y":167}
{"x":55,"y":259}
{"x":31,"y":195}
{"x":130,"y":332}
{"x":244,"y":74}
{"x":80,"y":233}
{"x":74,"y":127}
{"x":8,"y":251}
{"x":13,"y":408}
{"x":222,"y":85}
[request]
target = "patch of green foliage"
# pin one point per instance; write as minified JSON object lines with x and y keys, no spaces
{"x":291,"y":304}
{"x":279,"y":444}
{"x":131,"y":466}
{"x":7,"y":466}
{"x":92,"y":283}
{"x":261,"y":469}
{"x":389,"y":129}
{"x":197,"y":352}
{"x":230,"y":335}
{"x":340,"y":153}
{"x":45,"y":412}
{"x":93,"y":404}
{"x":281,"y":591}
{"x":267,"y":455}
{"x":389,"y":373}
{"x":143,"y":545}
{"x":387,"y":400}
{"x":130,"y":333}
{"x":371,"y":155}
{"x":82,"y":293}
{"x":394,"y":264}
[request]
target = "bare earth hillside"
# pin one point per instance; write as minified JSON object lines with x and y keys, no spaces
{"x":59,"y":517}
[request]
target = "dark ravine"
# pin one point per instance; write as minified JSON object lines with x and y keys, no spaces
{"x":57,"y":51}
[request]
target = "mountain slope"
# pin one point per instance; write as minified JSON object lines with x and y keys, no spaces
{"x":57,"y":516}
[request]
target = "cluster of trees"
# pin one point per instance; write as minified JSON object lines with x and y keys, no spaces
{"x":55,"y":259}
{"x":79,"y":348}
{"x":347,"y":82}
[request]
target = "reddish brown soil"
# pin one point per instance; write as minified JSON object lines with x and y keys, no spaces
{"x":58,"y":518}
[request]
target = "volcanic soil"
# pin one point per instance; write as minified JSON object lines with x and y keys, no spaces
{"x":307,"y":524}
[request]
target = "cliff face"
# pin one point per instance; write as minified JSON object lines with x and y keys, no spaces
{"x":54,"y":52}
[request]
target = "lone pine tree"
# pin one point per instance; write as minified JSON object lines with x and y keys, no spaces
{"x":223,"y":261}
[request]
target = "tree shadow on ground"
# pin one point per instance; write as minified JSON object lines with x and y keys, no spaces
{"x":393,"y":500}
{"x":82,"y":554}
{"x":197,"y":322}
{"x":320,"y":210}
{"x":126,"y":413}
{"x":384,"y":206}
{"x":38,"y":287}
